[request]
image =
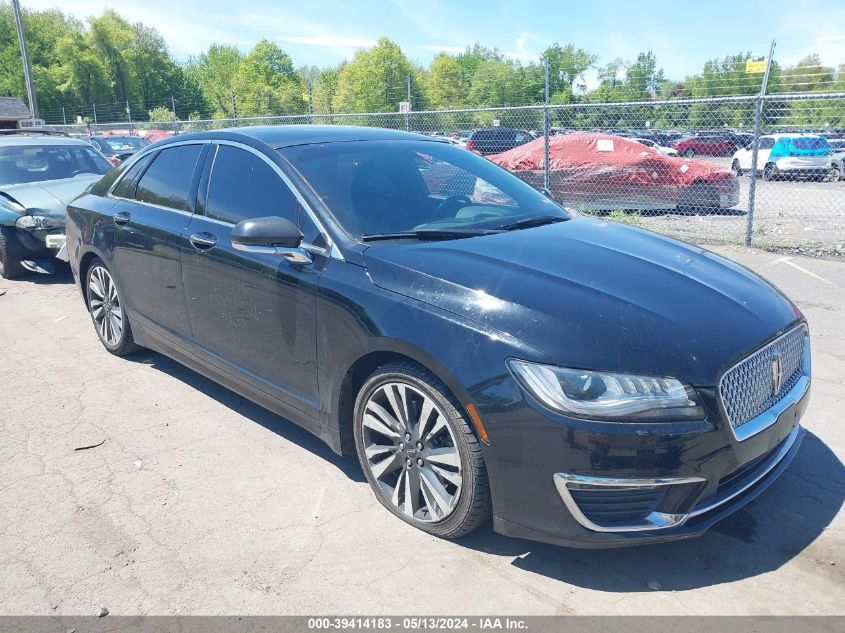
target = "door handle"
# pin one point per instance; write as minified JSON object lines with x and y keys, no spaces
{"x":122,"y":217}
{"x":203,"y":241}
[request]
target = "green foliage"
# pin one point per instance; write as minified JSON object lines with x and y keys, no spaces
{"x":161,"y":114}
{"x":109,"y":61}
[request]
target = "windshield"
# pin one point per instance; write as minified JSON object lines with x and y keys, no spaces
{"x":379,"y":187}
{"x":126,"y":143}
{"x":26,"y":163}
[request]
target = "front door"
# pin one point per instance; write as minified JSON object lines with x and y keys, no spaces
{"x":252,"y":314}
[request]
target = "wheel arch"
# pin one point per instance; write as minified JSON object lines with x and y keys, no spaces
{"x":362,"y":367}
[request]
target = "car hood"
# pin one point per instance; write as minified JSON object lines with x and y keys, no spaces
{"x":50,"y":197}
{"x":595,"y":295}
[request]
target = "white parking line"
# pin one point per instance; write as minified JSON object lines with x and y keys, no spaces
{"x":788,"y":261}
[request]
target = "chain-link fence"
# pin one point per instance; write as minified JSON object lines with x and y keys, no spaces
{"x":765,"y":171}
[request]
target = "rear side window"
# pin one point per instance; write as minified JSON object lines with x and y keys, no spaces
{"x":126,"y":187}
{"x":243,"y":186}
{"x":809,"y":142}
{"x":168,"y":179}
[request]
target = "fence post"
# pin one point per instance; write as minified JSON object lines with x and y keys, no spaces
{"x":546,"y":128}
{"x":758,"y":124}
{"x":94,"y":105}
{"x":175,"y":118}
{"x":129,"y":114}
{"x":234,"y":112}
{"x":64,"y":116}
{"x":408,"y":116}
{"x":310,"y":106}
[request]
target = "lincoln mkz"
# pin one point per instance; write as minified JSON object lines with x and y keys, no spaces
{"x":482,"y":350}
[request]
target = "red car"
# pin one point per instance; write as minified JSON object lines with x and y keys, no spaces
{"x":713,"y":144}
{"x":600,"y":172}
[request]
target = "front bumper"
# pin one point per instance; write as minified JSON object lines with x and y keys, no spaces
{"x":548,"y":473}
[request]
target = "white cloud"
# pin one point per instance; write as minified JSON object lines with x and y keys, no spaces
{"x":327,"y":40}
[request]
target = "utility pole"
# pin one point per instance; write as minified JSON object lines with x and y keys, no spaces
{"x":175,"y":118}
{"x":27,"y":71}
{"x":758,"y":123}
{"x":129,"y":114}
{"x":234,"y":111}
{"x":94,"y":106}
{"x":64,"y":116}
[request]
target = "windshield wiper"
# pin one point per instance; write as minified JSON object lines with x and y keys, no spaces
{"x":429,"y":234}
{"x":537,"y":220}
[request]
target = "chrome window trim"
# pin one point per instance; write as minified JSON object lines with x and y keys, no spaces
{"x":660,"y":520}
{"x":768,"y":417}
{"x":331,"y":249}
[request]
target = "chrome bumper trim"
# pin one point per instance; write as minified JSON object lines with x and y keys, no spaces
{"x":661,"y":520}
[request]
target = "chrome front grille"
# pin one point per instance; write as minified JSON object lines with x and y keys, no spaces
{"x":761,"y":380}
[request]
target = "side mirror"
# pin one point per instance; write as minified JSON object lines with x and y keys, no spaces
{"x":546,"y":193}
{"x":271,"y":235}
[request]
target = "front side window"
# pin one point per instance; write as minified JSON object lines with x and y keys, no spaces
{"x":244,"y":186}
{"x":168,"y":179}
{"x":377,"y":187}
{"x":28,"y":163}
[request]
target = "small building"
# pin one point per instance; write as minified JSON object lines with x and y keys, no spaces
{"x":12,"y":111}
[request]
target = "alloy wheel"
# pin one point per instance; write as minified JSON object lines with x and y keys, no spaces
{"x":411,"y":452}
{"x":104,"y":303}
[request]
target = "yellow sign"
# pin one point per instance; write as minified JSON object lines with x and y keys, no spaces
{"x":752,"y":67}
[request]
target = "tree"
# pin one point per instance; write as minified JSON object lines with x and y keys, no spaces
{"x":323,"y":91}
{"x":643,"y":78}
{"x":808,"y":75}
{"x":567,"y":66}
{"x":375,"y":80}
{"x":215,"y":71}
{"x":447,"y":87}
{"x":266,"y":82}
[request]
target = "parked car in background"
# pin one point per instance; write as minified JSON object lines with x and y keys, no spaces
{"x":494,"y":140}
{"x":837,"y":159}
{"x":666,"y":151}
{"x":604,"y":173}
{"x":580,"y":382}
{"x":118,"y":148}
{"x":40,"y":172}
{"x":708,"y":144}
{"x":787,"y":155}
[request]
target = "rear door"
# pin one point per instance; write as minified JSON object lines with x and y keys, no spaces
{"x":252,"y":314}
{"x":155,"y":201}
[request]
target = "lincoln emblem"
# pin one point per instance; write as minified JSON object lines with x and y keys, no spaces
{"x":777,"y":373}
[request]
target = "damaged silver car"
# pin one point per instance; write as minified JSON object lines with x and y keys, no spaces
{"x":40,"y":172}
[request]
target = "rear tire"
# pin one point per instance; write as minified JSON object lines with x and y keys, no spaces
{"x":105,"y":306}
{"x":835,"y":174}
{"x":770,"y":171}
{"x":11,"y":254}
{"x":436,"y":480}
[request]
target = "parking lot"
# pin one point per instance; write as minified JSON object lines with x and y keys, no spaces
{"x":193,"y":500}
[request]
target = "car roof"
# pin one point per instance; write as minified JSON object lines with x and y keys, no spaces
{"x":37,"y":141}
{"x":278,"y":136}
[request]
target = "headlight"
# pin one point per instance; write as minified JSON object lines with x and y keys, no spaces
{"x":34,"y":222}
{"x":598,"y":395}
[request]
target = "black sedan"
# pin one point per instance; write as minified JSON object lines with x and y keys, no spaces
{"x":481,"y":350}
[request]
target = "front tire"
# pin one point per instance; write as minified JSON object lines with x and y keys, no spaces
{"x":11,"y":254}
{"x":105,"y":306}
{"x":737,"y":170}
{"x":419,"y":454}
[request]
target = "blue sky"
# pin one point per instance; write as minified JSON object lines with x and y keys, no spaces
{"x":323,"y":32}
